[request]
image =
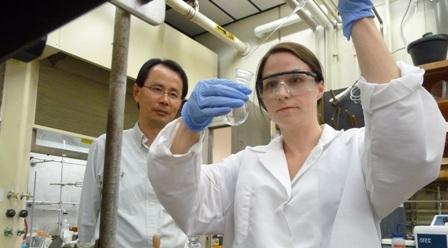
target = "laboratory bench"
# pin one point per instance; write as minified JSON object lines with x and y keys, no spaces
{"x":387,"y":243}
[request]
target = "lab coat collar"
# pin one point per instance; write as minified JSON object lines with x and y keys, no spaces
{"x":273,"y":159}
{"x":139,"y":137}
{"x":272,"y":156}
{"x":326,"y":137}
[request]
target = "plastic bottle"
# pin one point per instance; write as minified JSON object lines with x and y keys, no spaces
{"x":239,"y":115}
{"x":194,"y":241}
{"x":398,"y":241}
{"x":66,"y":234}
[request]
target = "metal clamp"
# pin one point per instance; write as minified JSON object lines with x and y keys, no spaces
{"x":379,"y":20}
{"x":20,"y":232}
{"x":12,"y":194}
{"x":8,"y":232}
{"x":26,"y":195}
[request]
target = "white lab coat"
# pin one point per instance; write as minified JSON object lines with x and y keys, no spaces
{"x":350,"y":180}
{"x":140,"y":214}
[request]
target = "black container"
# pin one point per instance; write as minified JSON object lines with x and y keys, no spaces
{"x":429,"y":48}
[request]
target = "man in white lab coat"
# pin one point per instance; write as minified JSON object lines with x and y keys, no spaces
{"x":312,"y":187}
{"x":159,"y":90}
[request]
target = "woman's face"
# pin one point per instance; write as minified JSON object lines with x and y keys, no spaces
{"x":290,"y":92}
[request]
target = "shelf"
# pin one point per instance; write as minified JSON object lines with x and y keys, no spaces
{"x":445,"y":162}
{"x":443,"y":175}
{"x":435,"y":72}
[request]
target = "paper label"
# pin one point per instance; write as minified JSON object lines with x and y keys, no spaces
{"x":432,"y":240}
{"x":225,"y":33}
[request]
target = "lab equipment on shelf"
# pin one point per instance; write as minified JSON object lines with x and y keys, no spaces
{"x":434,"y":235}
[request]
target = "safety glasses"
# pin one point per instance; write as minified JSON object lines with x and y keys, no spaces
{"x":294,"y":82}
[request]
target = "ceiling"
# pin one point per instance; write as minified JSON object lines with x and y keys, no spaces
{"x":223,"y":12}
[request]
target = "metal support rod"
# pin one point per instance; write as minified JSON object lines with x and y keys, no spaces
{"x":32,"y":211}
{"x":2,"y":83}
{"x":428,"y":211}
{"x":117,"y":94}
{"x":426,"y":201}
{"x":379,"y":20}
{"x":35,"y":203}
{"x":439,"y":200}
{"x":61,"y":213}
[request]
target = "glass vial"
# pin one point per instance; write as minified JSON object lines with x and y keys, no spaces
{"x":239,"y":115}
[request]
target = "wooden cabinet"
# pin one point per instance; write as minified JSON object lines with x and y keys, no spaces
{"x":435,"y":73}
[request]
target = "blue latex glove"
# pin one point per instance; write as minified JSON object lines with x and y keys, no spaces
{"x":351,"y":11}
{"x":210,"y":98}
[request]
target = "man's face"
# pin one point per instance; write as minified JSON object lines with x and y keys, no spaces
{"x":159,"y":98}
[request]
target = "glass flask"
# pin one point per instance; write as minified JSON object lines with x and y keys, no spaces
{"x":239,"y":115}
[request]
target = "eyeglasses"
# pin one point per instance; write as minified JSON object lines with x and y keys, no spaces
{"x":160,"y":91}
{"x":294,"y":82}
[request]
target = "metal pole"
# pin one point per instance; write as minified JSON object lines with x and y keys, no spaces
{"x":2,"y":83}
{"x":61,"y":209}
{"x":117,"y":93}
{"x":30,"y":240}
{"x":439,"y":200}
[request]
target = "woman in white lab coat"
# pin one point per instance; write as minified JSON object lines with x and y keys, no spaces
{"x":313,"y":186}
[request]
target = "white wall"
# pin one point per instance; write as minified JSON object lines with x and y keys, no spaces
{"x":18,"y":105}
